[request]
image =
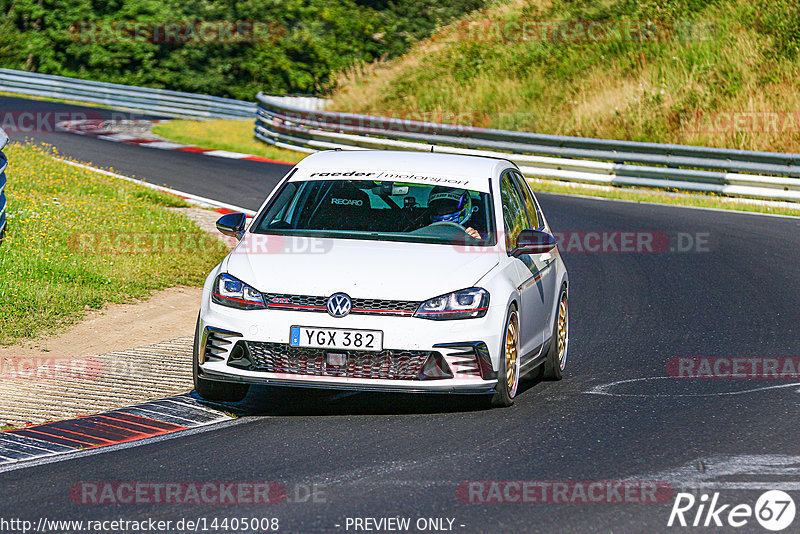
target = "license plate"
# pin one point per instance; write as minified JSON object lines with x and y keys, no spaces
{"x":336,"y":338}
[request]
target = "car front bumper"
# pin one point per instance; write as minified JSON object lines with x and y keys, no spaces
{"x":470,"y":348}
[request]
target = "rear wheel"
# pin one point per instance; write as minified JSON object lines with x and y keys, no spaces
{"x":508,"y":375}
{"x":556,"y":359}
{"x":209,"y":389}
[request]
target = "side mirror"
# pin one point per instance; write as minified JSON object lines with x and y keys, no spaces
{"x":232,"y":224}
{"x":533,"y":242}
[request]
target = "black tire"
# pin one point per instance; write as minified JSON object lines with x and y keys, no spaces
{"x":504,"y":393}
{"x":553,"y":363}
{"x":210,"y":389}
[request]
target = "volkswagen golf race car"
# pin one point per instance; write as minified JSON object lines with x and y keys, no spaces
{"x":387,"y":271}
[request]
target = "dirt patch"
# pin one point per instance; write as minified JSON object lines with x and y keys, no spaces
{"x":167,"y":314}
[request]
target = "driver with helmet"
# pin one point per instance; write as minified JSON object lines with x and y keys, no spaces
{"x":454,"y":206}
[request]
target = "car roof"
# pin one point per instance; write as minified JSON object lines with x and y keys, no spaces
{"x":468,"y":166}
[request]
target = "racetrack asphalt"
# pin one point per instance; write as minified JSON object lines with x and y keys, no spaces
{"x":205,"y":176}
{"x":737,"y":294}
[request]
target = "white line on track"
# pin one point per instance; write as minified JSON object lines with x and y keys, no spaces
{"x":733,"y":472}
{"x":604,"y":389}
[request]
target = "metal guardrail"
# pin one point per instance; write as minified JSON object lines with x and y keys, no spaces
{"x":744,"y":173}
{"x":142,"y":99}
{"x":3,"y":165}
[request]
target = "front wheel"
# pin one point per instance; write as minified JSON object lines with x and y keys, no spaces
{"x":508,"y":375}
{"x":556,"y":359}
{"x":209,"y":389}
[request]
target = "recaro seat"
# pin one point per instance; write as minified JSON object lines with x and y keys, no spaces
{"x":345,"y":207}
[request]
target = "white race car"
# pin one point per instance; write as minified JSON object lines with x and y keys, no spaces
{"x":387,"y":271}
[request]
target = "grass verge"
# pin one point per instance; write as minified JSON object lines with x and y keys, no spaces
{"x":77,"y":240}
{"x":721,"y":73}
{"x":223,"y":134}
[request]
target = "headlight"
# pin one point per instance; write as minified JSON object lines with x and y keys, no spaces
{"x":462,"y":304}
{"x":228,"y":291}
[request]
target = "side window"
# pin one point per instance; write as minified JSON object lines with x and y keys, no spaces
{"x":514,"y":220}
{"x":527,"y":198}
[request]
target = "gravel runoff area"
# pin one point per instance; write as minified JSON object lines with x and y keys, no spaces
{"x":56,"y":388}
{"x":124,"y":354}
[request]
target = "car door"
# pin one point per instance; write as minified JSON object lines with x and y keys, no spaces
{"x":541,"y":266}
{"x":532,"y":304}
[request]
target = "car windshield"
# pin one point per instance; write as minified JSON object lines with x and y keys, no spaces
{"x":380,"y":210}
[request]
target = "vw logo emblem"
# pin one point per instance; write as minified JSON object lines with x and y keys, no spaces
{"x":339,"y":305}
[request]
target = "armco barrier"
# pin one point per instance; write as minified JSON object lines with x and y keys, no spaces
{"x":742,"y":173}
{"x":142,"y":99}
{"x":3,"y":165}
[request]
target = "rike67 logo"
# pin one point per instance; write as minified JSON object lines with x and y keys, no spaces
{"x":774,"y":510}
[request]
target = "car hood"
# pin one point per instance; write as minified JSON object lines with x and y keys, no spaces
{"x":360,"y":268}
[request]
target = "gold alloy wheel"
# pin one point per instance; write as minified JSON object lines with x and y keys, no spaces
{"x":563,"y":331}
{"x":512,"y":342}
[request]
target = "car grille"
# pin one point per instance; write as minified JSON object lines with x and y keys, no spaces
{"x":402,"y":308}
{"x":386,"y":364}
